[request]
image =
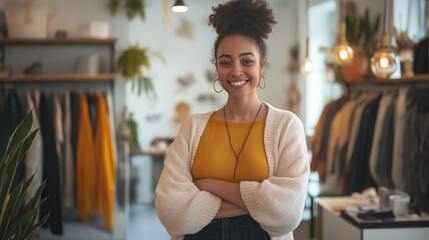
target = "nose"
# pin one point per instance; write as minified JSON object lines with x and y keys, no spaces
{"x":236,"y":70}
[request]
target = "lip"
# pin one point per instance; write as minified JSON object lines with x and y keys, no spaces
{"x":236,"y":83}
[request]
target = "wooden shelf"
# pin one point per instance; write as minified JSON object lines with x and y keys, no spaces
{"x":52,"y":41}
{"x":416,"y":79}
{"x":59,"y":78}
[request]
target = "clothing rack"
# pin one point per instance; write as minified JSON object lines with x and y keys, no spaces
{"x":57,"y":86}
{"x":419,"y":85}
{"x":386,"y":84}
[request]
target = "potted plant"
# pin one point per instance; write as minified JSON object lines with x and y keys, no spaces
{"x":18,"y":220}
{"x":134,"y":64}
{"x":133,"y":8}
{"x":360,"y":35}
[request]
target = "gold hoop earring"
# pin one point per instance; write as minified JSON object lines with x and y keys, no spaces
{"x":260,"y":80}
{"x":214,"y":86}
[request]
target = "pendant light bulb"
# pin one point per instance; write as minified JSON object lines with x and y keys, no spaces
{"x":307,"y":65}
{"x":179,"y":6}
{"x":342,"y":52}
{"x":383,"y":63}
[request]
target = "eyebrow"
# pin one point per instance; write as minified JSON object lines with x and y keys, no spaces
{"x":241,"y":55}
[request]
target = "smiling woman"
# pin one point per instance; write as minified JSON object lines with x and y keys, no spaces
{"x":242,"y":170}
{"x":239,"y":66}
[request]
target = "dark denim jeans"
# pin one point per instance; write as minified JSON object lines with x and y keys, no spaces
{"x":233,"y":228}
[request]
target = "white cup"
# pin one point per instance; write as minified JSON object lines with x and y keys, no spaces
{"x":399,"y":204}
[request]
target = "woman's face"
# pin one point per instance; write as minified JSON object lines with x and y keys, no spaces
{"x":239,"y":66}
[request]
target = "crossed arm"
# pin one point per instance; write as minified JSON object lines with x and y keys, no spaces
{"x":232,"y":202}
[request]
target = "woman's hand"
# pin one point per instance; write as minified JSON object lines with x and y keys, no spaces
{"x":228,"y":191}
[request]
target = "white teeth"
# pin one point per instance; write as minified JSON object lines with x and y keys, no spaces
{"x":238,"y":83}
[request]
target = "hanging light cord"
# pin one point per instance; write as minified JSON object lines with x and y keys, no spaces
{"x":386,"y":15}
{"x":306,"y":18}
{"x":229,"y":136}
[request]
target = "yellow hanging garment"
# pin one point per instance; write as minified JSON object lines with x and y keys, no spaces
{"x":85,"y":162}
{"x":106,"y":164}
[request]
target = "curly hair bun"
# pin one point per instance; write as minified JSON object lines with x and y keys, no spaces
{"x":251,"y":16}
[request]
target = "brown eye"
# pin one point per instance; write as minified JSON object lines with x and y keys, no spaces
{"x":248,"y":62}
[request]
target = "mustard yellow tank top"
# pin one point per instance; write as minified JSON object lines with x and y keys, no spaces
{"x":215,"y":159}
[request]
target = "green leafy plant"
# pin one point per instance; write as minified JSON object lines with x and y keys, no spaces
{"x":361,"y":31}
{"x":18,"y":220}
{"x":133,"y":126}
{"x":134,"y":64}
{"x":133,"y":8}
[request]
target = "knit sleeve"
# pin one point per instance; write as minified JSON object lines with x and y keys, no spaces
{"x":182,"y":208}
{"x":277,"y":203}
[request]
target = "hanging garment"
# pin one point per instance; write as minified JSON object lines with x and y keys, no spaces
{"x":109,"y":103}
{"x":336,"y":145}
{"x":50,"y":169}
{"x":69,"y":163}
{"x":359,"y":177}
{"x":416,"y":148}
{"x":383,"y":167}
{"x":74,"y":99}
{"x":86,"y":167}
{"x":106,"y":163}
{"x":57,"y":116}
{"x":386,"y":102}
{"x":421,"y":57}
{"x":320,"y":157}
{"x":4,"y":95}
{"x":33,"y":160}
{"x":9,"y":121}
{"x":368,"y":97}
{"x":398,"y":143}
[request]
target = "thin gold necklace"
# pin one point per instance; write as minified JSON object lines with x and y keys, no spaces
{"x":229,"y":136}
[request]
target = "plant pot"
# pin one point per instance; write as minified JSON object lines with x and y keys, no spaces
{"x":357,"y":68}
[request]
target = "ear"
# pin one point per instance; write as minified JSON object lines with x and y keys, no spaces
{"x":261,"y":67}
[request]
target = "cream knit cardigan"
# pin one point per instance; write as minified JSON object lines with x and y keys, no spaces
{"x":277,"y":202}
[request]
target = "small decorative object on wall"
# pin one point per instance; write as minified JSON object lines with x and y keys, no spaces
{"x":206,"y":97}
{"x":187,"y":80}
{"x":153,"y":117}
{"x":132,"y":64}
{"x":186,"y":29}
{"x":18,"y":219}
{"x":293,"y":65}
{"x":133,"y":8}
{"x":182,"y":111}
{"x":211,"y":75}
{"x":292,"y":101}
